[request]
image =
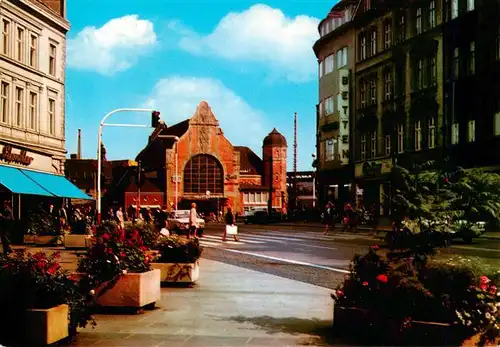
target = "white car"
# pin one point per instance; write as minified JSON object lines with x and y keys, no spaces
{"x":179,"y":221}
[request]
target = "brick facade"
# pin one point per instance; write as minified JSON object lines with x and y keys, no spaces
{"x":200,"y":139}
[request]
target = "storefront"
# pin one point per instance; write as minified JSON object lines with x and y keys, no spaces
{"x":373,"y":184}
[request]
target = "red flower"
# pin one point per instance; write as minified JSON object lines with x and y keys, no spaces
{"x":143,"y":248}
{"x":374,"y":247}
{"x":446,"y":180}
{"x":53,"y":269}
{"x":123,"y":255}
{"x":382,"y":278}
{"x":483,"y":287}
{"x":340,"y":293}
{"x":365,"y":283}
{"x":110,"y":251}
{"x":484,"y":280}
{"x":493,"y":290}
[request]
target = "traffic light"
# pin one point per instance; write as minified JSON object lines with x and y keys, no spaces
{"x":155,"y":119}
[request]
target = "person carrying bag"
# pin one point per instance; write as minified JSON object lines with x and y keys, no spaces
{"x":231,"y":228}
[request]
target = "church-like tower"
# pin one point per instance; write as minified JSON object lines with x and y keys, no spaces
{"x":274,"y":152}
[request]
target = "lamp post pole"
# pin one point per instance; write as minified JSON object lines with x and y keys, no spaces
{"x":99,"y":143}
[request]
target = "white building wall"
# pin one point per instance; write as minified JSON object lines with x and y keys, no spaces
{"x":29,"y":76}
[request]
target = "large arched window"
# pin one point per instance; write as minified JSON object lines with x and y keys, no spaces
{"x":203,"y":173}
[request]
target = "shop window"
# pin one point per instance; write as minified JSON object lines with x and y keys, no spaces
{"x":432,"y":133}
{"x":418,"y":135}
{"x":455,"y":134}
{"x":401,"y":138}
{"x":471,"y":129}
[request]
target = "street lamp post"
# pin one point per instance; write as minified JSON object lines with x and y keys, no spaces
{"x":99,"y":143}
{"x":314,"y":184}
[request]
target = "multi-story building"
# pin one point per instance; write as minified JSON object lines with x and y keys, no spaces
{"x":335,"y":52}
{"x":32,"y":94}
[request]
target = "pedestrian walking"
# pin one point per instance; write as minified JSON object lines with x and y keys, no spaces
{"x":231,"y":228}
{"x":329,"y":217}
{"x":120,"y":218}
{"x":193,"y":221}
{"x":7,"y":220}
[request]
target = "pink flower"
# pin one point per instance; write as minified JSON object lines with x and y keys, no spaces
{"x":365,"y":283}
{"x":493,"y":290}
{"x":374,"y":247}
{"x":382,"y":278}
{"x":484,"y":280}
{"x":483,"y":287}
{"x":446,"y":180}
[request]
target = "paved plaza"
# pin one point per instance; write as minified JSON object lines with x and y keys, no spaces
{"x":230,"y":306}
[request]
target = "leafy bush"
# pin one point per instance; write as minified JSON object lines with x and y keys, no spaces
{"x":36,"y":281}
{"x":405,"y":289}
{"x":40,"y":222}
{"x":113,"y":253}
{"x":173,"y":250}
{"x":148,"y":232}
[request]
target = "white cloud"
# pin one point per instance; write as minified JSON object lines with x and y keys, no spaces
{"x":177,"y":98}
{"x":260,"y":34}
{"x":114,"y":47}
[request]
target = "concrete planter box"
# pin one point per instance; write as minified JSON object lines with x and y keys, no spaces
{"x":77,"y":241}
{"x":178,"y":272}
{"x":46,"y":240}
{"x":44,"y":327}
{"x":28,"y":239}
{"x":134,"y":290}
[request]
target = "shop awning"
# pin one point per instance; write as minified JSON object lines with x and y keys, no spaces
{"x":17,"y":182}
{"x":57,"y":185}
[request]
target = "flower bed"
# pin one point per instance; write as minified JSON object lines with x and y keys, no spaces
{"x":178,"y":260}
{"x":42,"y":302}
{"x":118,"y":270}
{"x":398,"y":293}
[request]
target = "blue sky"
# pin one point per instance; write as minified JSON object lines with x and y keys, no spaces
{"x":251,"y":61}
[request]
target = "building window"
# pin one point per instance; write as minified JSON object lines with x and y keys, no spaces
{"x":52,"y":59}
{"x":373,"y":42}
{"x":432,"y":133}
{"x":419,"y":74}
{"x":418,"y":21}
{"x":387,"y":85}
{"x":329,"y":62}
{"x":362,"y":51}
{"x":33,"y":111}
{"x":52,"y":116}
{"x":321,"y":69}
{"x":387,"y":144}
{"x":432,"y":14}
{"x":432,"y":71}
{"x":387,"y":34}
{"x":321,"y":109}
{"x":497,"y":124}
{"x":19,"y":106}
{"x":373,"y":91}
{"x":5,"y":37}
{"x":33,"y":50}
{"x":418,"y":136}
{"x":339,"y":58}
{"x":368,"y":4}
{"x":373,"y":144}
{"x":5,"y":102}
{"x":472,"y":58}
{"x":362,"y":93}
{"x":329,"y":106}
{"x":203,"y":173}
{"x":470,"y":5}
{"x":20,"y":44}
{"x":401,"y":27}
{"x":330,"y":149}
{"x":363,"y":147}
{"x":454,"y":9}
{"x":455,"y":134}
{"x":344,"y":56}
{"x":401,"y":138}
{"x":471,"y":130}
{"x":456,"y":63}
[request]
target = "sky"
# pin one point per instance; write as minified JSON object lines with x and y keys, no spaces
{"x":251,"y":61}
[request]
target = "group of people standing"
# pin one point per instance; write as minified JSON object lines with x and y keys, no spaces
{"x":349,"y":218}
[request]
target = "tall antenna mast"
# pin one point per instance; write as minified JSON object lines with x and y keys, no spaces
{"x":295,"y":158}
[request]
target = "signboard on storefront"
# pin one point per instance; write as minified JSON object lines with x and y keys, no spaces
{"x":373,"y":168}
{"x":21,"y":157}
{"x":343,"y":109}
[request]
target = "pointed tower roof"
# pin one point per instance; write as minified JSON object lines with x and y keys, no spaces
{"x":275,"y":139}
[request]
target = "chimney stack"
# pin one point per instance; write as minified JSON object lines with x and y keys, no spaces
{"x":79,"y":150}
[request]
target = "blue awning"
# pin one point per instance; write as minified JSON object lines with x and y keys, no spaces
{"x":17,"y":182}
{"x":57,"y":185}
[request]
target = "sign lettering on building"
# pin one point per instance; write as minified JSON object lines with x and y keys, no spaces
{"x":342,"y":153}
{"x":9,"y":157}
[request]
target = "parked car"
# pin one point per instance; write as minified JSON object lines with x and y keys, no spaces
{"x":178,"y":221}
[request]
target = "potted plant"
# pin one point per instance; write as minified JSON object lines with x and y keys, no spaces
{"x":178,"y":260}
{"x":117,"y":268}
{"x":397,"y":298}
{"x":43,"y":303}
{"x":40,"y":228}
{"x":80,"y":235}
